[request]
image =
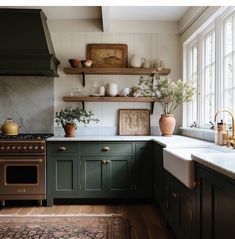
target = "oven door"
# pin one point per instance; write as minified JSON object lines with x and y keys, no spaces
{"x":22,"y":175}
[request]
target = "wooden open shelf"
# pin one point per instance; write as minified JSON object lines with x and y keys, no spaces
{"x":113,"y":71}
{"x":109,"y":99}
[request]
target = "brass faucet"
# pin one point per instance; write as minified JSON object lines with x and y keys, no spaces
{"x":230,"y":137}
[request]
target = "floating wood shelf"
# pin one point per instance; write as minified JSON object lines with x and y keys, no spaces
{"x":109,"y":99}
{"x":113,"y":71}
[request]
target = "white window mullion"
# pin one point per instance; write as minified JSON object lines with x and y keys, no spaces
{"x":200,"y":77}
{"x":218,"y":65}
{"x":233,"y":61}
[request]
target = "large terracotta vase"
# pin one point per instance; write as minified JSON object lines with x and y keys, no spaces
{"x":70,"y":130}
{"x":167,"y":124}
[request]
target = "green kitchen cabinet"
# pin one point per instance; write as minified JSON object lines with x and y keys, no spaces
{"x":180,"y":207}
{"x":106,"y":176}
{"x":158,"y":173}
{"x":99,"y":170}
{"x":62,"y":170}
{"x":144,"y":169}
{"x":216,"y":204}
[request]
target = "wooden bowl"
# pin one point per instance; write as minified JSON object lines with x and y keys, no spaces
{"x":74,"y":62}
{"x":86,"y":63}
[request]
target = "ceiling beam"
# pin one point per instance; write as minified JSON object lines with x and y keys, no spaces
{"x":105,"y":18}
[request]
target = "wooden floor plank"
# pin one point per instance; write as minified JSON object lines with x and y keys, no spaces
{"x":146,"y":220}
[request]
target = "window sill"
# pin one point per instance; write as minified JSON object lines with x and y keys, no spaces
{"x":198,"y":133}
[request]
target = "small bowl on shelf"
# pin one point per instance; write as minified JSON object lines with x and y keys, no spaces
{"x":86,"y":63}
{"x":74,"y":62}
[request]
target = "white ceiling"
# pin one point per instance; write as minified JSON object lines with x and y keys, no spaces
{"x":150,"y":13}
{"x":144,"y":13}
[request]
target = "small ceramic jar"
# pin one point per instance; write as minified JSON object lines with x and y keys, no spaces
{"x":112,"y":89}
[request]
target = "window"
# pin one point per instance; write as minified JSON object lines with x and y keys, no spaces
{"x":209,"y":65}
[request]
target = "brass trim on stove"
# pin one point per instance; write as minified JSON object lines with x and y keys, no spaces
{"x":19,"y":164}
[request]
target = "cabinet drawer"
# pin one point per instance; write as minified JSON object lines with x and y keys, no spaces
{"x":61,"y":148}
{"x":106,"y":148}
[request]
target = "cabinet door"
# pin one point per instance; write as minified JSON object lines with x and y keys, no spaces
{"x":216,"y":196}
{"x":172,"y":201}
{"x":158,"y":174}
{"x":180,"y":208}
{"x":64,"y":173}
{"x":144,"y":169}
{"x":93,"y":176}
{"x":119,"y":175}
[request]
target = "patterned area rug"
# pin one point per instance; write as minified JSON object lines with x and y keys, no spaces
{"x":82,"y":227}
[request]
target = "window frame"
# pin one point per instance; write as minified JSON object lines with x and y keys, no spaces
{"x":216,"y":25}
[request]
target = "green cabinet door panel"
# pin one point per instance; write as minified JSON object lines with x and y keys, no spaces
{"x":92,"y":176}
{"x":180,"y":208}
{"x":158,"y":174}
{"x":144,"y":168}
{"x":65,"y":175}
{"x":119,"y":174}
{"x":216,"y":204}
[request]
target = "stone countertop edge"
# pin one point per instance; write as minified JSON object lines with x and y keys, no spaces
{"x":165,"y":141}
{"x":216,"y":166}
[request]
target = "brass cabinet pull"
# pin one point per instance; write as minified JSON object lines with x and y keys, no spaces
{"x":61,"y":148}
{"x":105,"y":149}
{"x":106,"y":161}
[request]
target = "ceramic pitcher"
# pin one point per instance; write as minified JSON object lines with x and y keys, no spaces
{"x":136,"y":61}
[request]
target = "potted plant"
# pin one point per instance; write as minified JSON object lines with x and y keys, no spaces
{"x":169,"y":94}
{"x":69,"y":116}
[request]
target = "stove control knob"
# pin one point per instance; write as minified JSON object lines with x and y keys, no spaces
{"x":13,"y":147}
{"x":7,"y":148}
{"x":2,"y":148}
{"x":24,"y":148}
{"x":36,"y":147}
{"x":30,"y":147}
{"x":19,"y":147}
{"x":42,"y":148}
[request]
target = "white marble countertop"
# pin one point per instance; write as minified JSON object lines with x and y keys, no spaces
{"x":101,"y":138}
{"x":223,"y":163}
{"x":172,"y":141}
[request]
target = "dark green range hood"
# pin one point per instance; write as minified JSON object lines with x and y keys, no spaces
{"x":25,"y":44}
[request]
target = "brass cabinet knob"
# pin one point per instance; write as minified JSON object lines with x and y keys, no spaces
{"x":105,"y":149}
{"x":61,"y":148}
{"x":106,"y":161}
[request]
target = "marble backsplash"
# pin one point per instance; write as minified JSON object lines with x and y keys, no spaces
{"x":103,"y":130}
{"x":29,"y":101}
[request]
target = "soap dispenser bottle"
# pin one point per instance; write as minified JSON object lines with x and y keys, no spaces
{"x":220,"y":133}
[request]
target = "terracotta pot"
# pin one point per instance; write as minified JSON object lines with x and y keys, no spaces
{"x":167,"y":124}
{"x":70,"y":130}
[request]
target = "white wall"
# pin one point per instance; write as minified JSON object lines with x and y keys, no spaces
{"x":70,"y":38}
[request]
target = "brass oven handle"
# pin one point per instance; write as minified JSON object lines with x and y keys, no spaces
{"x":105,"y":149}
{"x":61,"y":148}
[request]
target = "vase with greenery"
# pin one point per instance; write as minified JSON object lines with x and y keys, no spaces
{"x":70,"y":116}
{"x":169,"y":94}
